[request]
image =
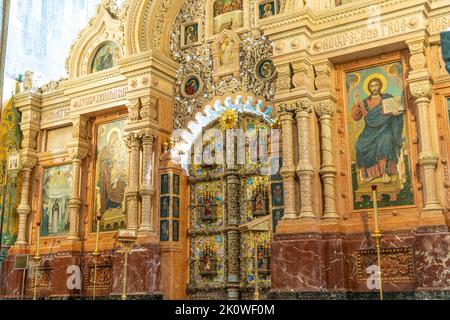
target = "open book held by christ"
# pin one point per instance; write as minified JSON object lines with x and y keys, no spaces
{"x":394,"y":105}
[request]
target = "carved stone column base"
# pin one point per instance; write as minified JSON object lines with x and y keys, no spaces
{"x":433,"y":208}
{"x":290,"y":216}
{"x":147,"y":237}
{"x":19,"y":249}
{"x":431,"y":218}
{"x":330,"y":216}
{"x":307,"y":215}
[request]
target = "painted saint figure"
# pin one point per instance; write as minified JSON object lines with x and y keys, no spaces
{"x":112,"y":175}
{"x":191,"y":35}
{"x":267,"y":11}
{"x":225,"y":6}
{"x":55,"y":216}
{"x":226,"y":50}
{"x":267,"y":69}
{"x":191,"y":87}
{"x":207,"y":263}
{"x":260,"y":258}
{"x":106,"y":57}
{"x":379,"y":146}
{"x":45,"y":220}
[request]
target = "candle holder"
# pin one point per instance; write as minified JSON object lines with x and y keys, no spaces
{"x":127,"y":238}
{"x":37,"y":259}
{"x":96,"y":255}
{"x":255,"y":244}
{"x":377,"y":235}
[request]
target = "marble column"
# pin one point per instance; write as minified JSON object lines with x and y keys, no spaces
{"x":325,"y":111}
{"x":24,"y":208}
{"x":233,"y":238}
{"x":421,"y":87}
{"x":78,"y":150}
{"x":133,"y":141}
{"x":305,"y":169}
{"x":288,"y":169}
{"x":28,"y":162}
{"x":147,"y":189}
{"x":421,"y":92}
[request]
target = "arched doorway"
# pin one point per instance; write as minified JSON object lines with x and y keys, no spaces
{"x":235,"y":189}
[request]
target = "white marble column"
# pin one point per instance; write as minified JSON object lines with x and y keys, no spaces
{"x":288,"y":169}
{"x":24,"y":208}
{"x":325,"y":111}
{"x":421,"y":87}
{"x":78,"y":149}
{"x":133,"y":142}
{"x":28,"y":162}
{"x":305,"y":169}
{"x":147,"y":189}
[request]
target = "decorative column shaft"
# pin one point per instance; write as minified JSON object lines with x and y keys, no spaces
{"x":305,"y":169}
{"x":78,"y":149}
{"x":421,"y":87}
{"x":24,"y":208}
{"x":288,"y":169}
{"x":147,"y":190}
{"x":233,"y":240}
{"x":132,"y":193}
{"x":325,"y":110}
{"x":75,"y":202}
{"x":28,"y":162}
{"x":428,"y":159}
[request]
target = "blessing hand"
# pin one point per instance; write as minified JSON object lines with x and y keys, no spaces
{"x":357,"y":98}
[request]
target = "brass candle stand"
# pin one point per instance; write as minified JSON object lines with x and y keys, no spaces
{"x":377,"y":235}
{"x":127,"y":238}
{"x":37,"y":259}
{"x":96,"y":255}
{"x":256,"y":295}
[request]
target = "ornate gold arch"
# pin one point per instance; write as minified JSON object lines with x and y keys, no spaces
{"x":149,"y":23}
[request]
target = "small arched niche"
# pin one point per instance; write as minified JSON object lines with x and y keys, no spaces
{"x":105,"y":57}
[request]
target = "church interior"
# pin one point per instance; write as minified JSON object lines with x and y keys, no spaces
{"x":234,"y":150}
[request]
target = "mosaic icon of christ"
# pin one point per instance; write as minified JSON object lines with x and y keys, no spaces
{"x":379,"y":147}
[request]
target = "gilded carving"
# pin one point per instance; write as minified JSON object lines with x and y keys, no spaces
{"x":225,"y":54}
{"x":133,"y":109}
{"x":396,"y":264}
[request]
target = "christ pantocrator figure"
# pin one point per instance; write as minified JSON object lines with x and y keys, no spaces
{"x":379,"y":146}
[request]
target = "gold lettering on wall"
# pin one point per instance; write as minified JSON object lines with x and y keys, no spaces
{"x":98,"y":98}
{"x":364,"y":35}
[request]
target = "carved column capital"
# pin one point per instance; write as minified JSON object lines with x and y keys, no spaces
{"x":325,"y":108}
{"x":133,"y":106}
{"x":148,"y":138}
{"x":133,"y":140}
{"x":27,"y":160}
{"x":29,"y":138}
{"x":80,"y":128}
{"x":149,"y":108}
{"x":303,"y":74}
{"x":421,"y":89}
{"x":303,"y":107}
{"x":417,"y":49}
{"x":284,"y":80}
{"x":323,"y":79}
{"x":79,"y":146}
{"x":286,"y":111}
{"x":78,"y":153}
